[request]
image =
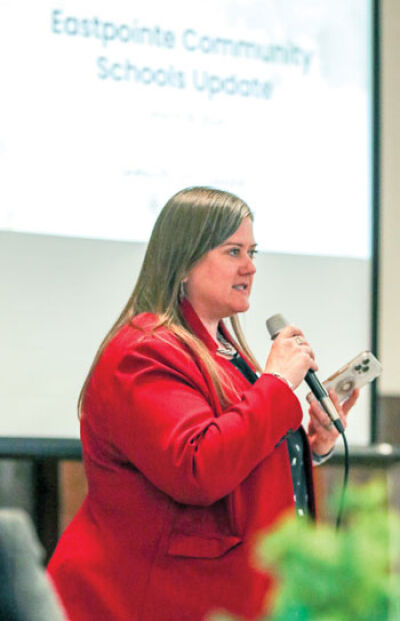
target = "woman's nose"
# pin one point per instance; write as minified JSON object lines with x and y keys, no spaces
{"x":248,"y":266}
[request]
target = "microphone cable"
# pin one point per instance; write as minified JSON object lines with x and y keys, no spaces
{"x":330,"y":409}
{"x":275,"y":324}
{"x":345,"y":481}
{"x":328,"y":406}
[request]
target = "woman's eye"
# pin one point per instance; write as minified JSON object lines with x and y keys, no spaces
{"x":252,"y":253}
{"x":234,"y":252}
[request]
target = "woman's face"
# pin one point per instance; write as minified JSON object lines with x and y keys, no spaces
{"x":219,"y":284}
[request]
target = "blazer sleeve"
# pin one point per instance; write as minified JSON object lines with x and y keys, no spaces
{"x":164,"y":423}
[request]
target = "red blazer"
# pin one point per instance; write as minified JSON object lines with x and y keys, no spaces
{"x":177,"y":486}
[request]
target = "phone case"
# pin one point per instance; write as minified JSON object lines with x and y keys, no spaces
{"x":363,"y":369}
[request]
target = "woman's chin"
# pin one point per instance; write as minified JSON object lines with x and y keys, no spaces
{"x":243,"y":307}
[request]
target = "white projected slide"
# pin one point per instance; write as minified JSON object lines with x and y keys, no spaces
{"x":109,"y":108}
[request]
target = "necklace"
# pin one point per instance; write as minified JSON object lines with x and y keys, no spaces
{"x":226,"y":349}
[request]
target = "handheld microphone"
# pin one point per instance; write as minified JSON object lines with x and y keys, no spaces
{"x":274,"y":325}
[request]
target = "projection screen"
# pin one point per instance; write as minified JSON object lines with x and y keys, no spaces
{"x":107,"y":109}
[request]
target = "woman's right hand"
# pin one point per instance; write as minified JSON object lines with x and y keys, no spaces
{"x":291,"y":356}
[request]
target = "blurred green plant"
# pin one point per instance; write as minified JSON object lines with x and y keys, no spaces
{"x":324,"y":575}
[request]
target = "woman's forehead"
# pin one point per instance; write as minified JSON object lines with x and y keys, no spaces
{"x":243,"y":235}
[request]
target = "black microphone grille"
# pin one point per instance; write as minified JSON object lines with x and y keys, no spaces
{"x":275,"y":324}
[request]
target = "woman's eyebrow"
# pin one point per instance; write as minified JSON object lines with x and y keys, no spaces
{"x":237,"y":244}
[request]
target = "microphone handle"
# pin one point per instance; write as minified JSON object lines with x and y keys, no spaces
{"x":321,"y":394}
{"x":315,"y":385}
{"x":274,"y":325}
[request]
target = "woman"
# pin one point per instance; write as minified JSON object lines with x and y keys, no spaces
{"x":185,"y":448}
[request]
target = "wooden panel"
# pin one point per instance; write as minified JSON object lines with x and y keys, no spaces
{"x":72,"y":490}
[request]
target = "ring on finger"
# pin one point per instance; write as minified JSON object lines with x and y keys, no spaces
{"x":329,"y":426}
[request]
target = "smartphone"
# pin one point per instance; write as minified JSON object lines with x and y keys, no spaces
{"x":363,"y":369}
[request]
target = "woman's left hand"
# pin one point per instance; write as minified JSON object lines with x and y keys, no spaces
{"x":322,"y":434}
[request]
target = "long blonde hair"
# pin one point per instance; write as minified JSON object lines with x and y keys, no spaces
{"x":193,"y":222}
